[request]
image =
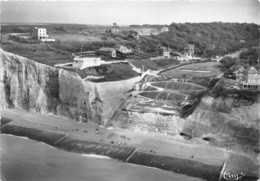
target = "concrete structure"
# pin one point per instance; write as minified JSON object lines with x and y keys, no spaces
{"x":164,"y":29}
{"x":84,"y":62}
{"x":109,"y":52}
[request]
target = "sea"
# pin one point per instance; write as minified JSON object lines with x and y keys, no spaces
{"x":23,"y":159}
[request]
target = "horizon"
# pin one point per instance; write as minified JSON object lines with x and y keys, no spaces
{"x":130,"y":13}
{"x":105,"y":25}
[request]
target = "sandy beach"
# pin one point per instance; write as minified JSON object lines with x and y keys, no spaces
{"x":130,"y":146}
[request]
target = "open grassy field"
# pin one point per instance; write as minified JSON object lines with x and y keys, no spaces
{"x":168,"y":96}
{"x":53,"y":52}
{"x":177,"y":85}
{"x":75,"y":37}
{"x":190,"y":71}
{"x":205,"y":66}
{"x":70,"y":38}
{"x":154,"y":64}
{"x":54,"y":28}
{"x":42,"y":52}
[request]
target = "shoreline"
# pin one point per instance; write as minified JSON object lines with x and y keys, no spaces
{"x":121,"y":153}
{"x":133,"y":153}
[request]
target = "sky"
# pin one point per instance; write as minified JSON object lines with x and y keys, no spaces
{"x":130,"y":12}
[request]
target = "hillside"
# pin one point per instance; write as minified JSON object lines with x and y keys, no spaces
{"x":210,"y":38}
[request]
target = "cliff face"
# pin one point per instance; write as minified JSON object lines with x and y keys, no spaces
{"x":106,"y":97}
{"x":25,"y":84}
{"x":225,"y":121}
{"x":229,"y":119}
{"x":234,"y":128}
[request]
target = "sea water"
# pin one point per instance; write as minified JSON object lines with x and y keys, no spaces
{"x":28,"y":160}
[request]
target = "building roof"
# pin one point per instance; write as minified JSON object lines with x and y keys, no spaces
{"x":118,"y":46}
{"x":234,"y":68}
{"x":115,"y":26}
{"x":252,"y":70}
{"x":108,"y":49}
{"x":175,"y":54}
{"x":165,"y":28}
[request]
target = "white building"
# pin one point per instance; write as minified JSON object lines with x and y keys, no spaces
{"x":164,"y":29}
{"x":41,"y":34}
{"x":252,"y":79}
{"x":166,"y":53}
{"x":84,"y":62}
{"x":123,"y":49}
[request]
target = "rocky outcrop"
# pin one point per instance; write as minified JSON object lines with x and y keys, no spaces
{"x":25,"y":84}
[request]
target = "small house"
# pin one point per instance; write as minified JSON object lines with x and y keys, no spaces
{"x":253,"y":75}
{"x":164,"y":29}
{"x":80,"y":62}
{"x":189,"y":50}
{"x":108,"y":52}
{"x":40,"y":34}
{"x":252,"y":79}
{"x":166,"y":53}
{"x":115,"y":29}
{"x":134,"y":35}
{"x":175,"y":55}
{"x":123,"y":49}
{"x":5,"y":38}
{"x":236,"y":72}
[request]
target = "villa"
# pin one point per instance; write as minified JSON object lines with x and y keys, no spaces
{"x":252,"y":79}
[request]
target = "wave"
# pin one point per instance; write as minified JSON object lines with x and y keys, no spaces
{"x":96,"y":156}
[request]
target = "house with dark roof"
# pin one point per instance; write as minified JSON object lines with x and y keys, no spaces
{"x":115,"y":29}
{"x":122,"y":49}
{"x":236,"y":72}
{"x":108,"y":52}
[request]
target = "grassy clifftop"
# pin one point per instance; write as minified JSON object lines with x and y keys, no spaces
{"x":209,"y":38}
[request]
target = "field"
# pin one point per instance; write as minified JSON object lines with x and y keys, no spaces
{"x":178,"y":86}
{"x":75,"y":37}
{"x":42,"y":53}
{"x":168,"y":96}
{"x":154,"y":64}
{"x":193,"y":71}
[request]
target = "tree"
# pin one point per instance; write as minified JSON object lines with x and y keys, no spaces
{"x":227,"y":62}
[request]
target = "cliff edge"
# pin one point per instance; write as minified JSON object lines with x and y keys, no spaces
{"x":28,"y":85}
